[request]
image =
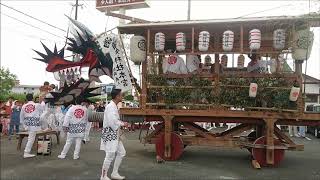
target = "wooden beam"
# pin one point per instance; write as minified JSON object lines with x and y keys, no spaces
{"x":236,"y":130}
{"x":282,"y":136}
{"x":239,"y":74}
{"x":167,"y":135}
{"x":144,"y":74}
{"x":122,"y":16}
{"x":199,"y":130}
{"x":221,"y":113}
{"x":213,"y":142}
{"x":154,"y":133}
{"x":270,"y":140}
{"x":192,"y":41}
{"x":241,"y":39}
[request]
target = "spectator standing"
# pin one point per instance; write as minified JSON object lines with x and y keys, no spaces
{"x":15,"y":118}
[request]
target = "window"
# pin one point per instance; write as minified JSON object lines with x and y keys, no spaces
{"x":311,"y":98}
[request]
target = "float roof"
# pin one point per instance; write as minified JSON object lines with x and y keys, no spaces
{"x":312,"y":19}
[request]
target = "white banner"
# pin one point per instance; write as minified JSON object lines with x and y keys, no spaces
{"x":110,"y":43}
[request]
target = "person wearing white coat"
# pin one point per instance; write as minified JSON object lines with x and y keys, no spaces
{"x":111,"y":141}
{"x":193,"y":63}
{"x":174,"y":65}
{"x":75,"y":124}
{"x":30,"y":120}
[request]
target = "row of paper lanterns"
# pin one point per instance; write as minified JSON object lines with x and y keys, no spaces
{"x":279,"y":39}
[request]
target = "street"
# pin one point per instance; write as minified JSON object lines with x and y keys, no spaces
{"x":140,"y":163}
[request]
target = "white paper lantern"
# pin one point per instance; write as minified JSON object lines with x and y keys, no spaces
{"x":303,"y":45}
{"x":138,"y":49}
{"x":294,"y":93}
{"x":254,"y":39}
{"x":227,"y":40}
{"x":204,"y":40}
{"x":240,"y":63}
{"x":180,"y":41}
{"x":253,"y":89}
{"x":224,"y":60}
{"x":279,"y":39}
{"x":159,"y":41}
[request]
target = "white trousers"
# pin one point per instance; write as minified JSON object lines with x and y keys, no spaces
{"x":110,"y":156}
{"x":31,"y":138}
{"x":87,"y":132}
{"x":69,"y":142}
{"x":293,"y":130}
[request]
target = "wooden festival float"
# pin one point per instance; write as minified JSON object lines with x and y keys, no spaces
{"x":178,"y":101}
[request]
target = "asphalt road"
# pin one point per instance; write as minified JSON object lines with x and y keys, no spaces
{"x":202,"y":163}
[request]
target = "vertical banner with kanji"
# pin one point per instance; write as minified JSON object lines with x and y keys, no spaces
{"x":110,"y":43}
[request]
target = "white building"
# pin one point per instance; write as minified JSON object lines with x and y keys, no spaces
{"x":312,"y":89}
{"x":25,"y":89}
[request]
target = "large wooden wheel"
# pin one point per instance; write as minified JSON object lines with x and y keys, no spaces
{"x":259,"y":154}
{"x":251,"y":138}
{"x":176,"y":147}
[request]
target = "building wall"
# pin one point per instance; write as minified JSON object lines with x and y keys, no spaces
{"x":26,"y":89}
{"x":312,"y":88}
{"x":312,"y":91}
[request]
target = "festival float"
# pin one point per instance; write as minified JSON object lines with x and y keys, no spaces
{"x":256,"y":101}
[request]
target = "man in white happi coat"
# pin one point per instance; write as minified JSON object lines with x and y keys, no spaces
{"x":193,"y":63}
{"x":30,"y":120}
{"x":174,"y":65}
{"x":111,"y":141}
{"x":75,"y":124}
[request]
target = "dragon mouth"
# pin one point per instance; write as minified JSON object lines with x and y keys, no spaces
{"x":68,"y":75}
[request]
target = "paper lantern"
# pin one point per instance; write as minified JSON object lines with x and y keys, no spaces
{"x":294,"y":93}
{"x":138,"y":49}
{"x":240,"y":61}
{"x":227,"y":40}
{"x":302,"y":45}
{"x":180,"y":41}
{"x":159,"y":41}
{"x":224,"y":60}
{"x":254,"y":39}
{"x":204,"y":39}
{"x":279,"y":39}
{"x":253,"y":89}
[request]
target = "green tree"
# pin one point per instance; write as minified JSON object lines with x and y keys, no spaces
{"x":7,"y":82}
{"x":128,"y":98}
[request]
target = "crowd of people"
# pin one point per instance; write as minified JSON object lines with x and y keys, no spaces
{"x":71,"y":121}
{"x":175,"y":64}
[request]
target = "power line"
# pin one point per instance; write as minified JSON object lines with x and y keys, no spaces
{"x":263,"y":11}
{"x":31,"y":25}
{"x":31,"y":35}
{"x":33,"y":17}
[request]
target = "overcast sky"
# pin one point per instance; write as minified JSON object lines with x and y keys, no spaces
{"x":18,"y":39}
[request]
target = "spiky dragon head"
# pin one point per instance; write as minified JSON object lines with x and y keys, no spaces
{"x":68,"y":72}
{"x":84,"y":45}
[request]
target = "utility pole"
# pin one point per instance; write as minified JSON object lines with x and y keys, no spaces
{"x":189,"y":9}
{"x":76,"y":14}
